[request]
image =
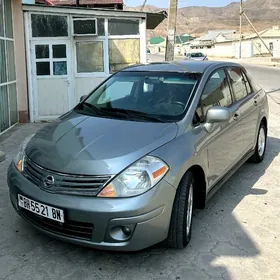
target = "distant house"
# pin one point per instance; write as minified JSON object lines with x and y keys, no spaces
{"x":227,"y":37}
{"x":157,"y":44}
{"x":208,"y":40}
{"x":182,"y":39}
{"x":270,"y":37}
{"x":181,"y":44}
{"x":228,"y":45}
{"x":104,"y":4}
{"x":156,"y":40}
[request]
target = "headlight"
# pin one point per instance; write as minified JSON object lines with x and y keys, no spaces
{"x":19,"y":158}
{"x":136,"y":179}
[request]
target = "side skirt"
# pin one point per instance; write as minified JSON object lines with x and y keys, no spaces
{"x":216,"y":187}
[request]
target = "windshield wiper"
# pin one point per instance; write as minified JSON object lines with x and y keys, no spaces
{"x":133,"y":114}
{"x":94,"y":108}
{"x":96,"y":111}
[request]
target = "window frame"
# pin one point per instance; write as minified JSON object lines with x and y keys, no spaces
{"x":106,"y":52}
{"x":126,"y":38}
{"x":32,"y":38}
{"x":48,"y":37}
{"x":5,"y":38}
{"x":105,"y":59}
{"x":271,"y":46}
{"x":247,"y":82}
{"x":51,"y":59}
{"x":73,"y":19}
{"x":105,"y":38}
{"x":199,"y":105}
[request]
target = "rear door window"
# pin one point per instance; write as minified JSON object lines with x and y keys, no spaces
{"x":238,"y":83}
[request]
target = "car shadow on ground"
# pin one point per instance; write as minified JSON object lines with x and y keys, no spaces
{"x":218,"y":231}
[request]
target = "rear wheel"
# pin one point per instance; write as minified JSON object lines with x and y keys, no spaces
{"x":261,"y":145}
{"x":181,"y":220}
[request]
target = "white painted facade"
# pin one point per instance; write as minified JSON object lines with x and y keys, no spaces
{"x":8,"y":81}
{"x":276,"y":51}
{"x":55,"y":83}
{"x":247,"y":49}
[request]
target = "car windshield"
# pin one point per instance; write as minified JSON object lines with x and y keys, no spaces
{"x":197,"y":55}
{"x":146,"y":96}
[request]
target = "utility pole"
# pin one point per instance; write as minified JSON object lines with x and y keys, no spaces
{"x":143,"y":6}
{"x":257,"y":33}
{"x":171,"y":29}
{"x":240,"y":43}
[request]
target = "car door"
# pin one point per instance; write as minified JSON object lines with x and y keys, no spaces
{"x":244,"y":106}
{"x":224,"y":143}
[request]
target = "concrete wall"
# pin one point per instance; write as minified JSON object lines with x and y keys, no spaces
{"x":276,"y":52}
{"x":219,"y":50}
{"x":159,"y":48}
{"x":20,"y":61}
{"x":246,"y":49}
{"x":259,"y":47}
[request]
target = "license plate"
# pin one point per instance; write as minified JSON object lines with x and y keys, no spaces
{"x":41,"y":209}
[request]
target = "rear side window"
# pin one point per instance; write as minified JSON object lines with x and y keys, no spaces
{"x":238,"y":83}
{"x":215,"y":93}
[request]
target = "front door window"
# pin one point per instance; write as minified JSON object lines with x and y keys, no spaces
{"x":51,"y":59}
{"x":215,"y":93}
{"x":238,"y":83}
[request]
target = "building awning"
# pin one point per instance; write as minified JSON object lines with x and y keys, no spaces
{"x":154,"y":19}
{"x":80,"y":2}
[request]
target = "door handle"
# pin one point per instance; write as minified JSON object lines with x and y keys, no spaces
{"x":256,"y":102}
{"x":236,"y":116}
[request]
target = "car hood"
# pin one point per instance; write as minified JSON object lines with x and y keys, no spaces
{"x":79,"y":144}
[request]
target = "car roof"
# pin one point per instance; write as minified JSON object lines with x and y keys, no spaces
{"x":184,"y":66}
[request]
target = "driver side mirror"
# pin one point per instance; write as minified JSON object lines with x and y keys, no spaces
{"x":82,"y":98}
{"x":216,"y":115}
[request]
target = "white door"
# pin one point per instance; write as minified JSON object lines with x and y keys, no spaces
{"x":51,"y":72}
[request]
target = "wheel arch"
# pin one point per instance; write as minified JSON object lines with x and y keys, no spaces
{"x":200,"y":185}
{"x":264,"y":121}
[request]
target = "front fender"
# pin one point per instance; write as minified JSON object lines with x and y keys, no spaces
{"x":181,"y":154}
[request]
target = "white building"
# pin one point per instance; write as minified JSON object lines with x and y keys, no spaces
{"x":71,"y":50}
{"x":208,"y":40}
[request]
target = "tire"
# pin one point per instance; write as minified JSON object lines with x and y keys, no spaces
{"x":261,"y":145}
{"x":179,"y":236}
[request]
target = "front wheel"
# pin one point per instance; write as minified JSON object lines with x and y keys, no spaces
{"x":261,"y":145}
{"x":181,"y":220}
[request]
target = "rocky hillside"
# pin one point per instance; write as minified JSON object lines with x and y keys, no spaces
{"x":197,"y":20}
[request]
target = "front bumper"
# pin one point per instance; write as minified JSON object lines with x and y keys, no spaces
{"x":96,"y":222}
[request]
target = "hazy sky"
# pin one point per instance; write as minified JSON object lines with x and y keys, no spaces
{"x":181,"y":3}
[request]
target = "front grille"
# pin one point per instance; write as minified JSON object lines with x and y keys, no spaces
{"x":64,"y":183}
{"x":69,"y":228}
